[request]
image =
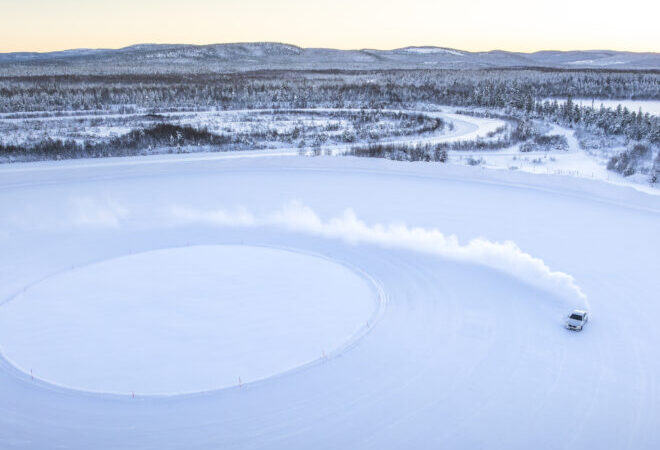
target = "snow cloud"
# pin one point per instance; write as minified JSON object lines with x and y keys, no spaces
{"x":505,"y":257}
{"x":90,"y":212}
{"x":75,"y":212}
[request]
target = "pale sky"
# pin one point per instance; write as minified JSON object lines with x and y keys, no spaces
{"x":517,"y":25}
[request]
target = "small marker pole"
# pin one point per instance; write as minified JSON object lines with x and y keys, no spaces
{"x":324,"y":355}
{"x":31,"y":375}
{"x":132,"y":394}
{"x":240,"y":383}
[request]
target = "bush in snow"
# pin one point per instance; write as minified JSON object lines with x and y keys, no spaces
{"x":631,"y":160}
{"x":401,"y":152}
{"x":545,"y":143}
{"x":655,"y":174}
{"x":524,"y":130}
{"x":132,"y":143}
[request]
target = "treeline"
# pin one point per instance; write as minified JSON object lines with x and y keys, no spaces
{"x":619,"y":121}
{"x":636,"y":126}
{"x":517,"y":89}
{"x":132,"y":143}
{"x":401,"y":152}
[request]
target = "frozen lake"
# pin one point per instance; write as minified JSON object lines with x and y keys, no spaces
{"x":156,"y":272}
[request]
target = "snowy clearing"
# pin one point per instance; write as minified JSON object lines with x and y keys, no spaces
{"x":572,"y":162}
{"x":464,"y":354}
{"x":183,"y":320}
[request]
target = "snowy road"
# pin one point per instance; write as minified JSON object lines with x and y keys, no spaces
{"x":462,"y":356}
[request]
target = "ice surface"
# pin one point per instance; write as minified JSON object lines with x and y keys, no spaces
{"x":462,"y":356}
{"x":185,"y":319}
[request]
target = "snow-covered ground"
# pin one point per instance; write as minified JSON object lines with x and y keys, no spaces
{"x":475,"y":270}
{"x":259,"y":127}
{"x":187,"y":319}
{"x":572,"y":162}
{"x":332,"y":123}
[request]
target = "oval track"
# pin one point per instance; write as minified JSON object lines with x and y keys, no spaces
{"x":461,"y":357}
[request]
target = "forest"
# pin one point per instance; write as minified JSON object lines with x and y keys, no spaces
{"x":519,"y":95}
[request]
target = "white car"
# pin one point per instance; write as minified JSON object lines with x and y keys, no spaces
{"x":576,"y":320}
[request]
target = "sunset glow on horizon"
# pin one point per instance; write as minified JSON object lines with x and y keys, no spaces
{"x":477,"y":25}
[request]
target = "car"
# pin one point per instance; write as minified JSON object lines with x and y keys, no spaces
{"x":577,"y":320}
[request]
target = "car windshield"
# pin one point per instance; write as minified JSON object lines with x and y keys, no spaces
{"x":576,"y":317}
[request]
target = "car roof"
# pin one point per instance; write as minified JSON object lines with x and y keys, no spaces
{"x":579,"y":311}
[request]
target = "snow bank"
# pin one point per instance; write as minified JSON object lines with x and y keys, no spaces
{"x":505,"y":257}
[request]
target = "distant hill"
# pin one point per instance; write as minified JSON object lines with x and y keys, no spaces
{"x":178,"y":58}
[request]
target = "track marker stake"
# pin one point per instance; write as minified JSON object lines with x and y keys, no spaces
{"x":240,"y":383}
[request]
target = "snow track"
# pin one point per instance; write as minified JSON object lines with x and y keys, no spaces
{"x":187,"y":319}
{"x":461,"y":356}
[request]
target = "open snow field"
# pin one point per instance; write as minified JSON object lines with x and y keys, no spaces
{"x":364,"y":304}
{"x":143,"y":323}
{"x":573,"y":162}
{"x":250,"y":128}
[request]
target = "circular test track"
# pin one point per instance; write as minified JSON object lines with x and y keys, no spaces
{"x":461,"y":356}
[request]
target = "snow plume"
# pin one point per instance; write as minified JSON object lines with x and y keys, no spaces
{"x":505,"y":257}
{"x":238,"y":218}
{"x":90,"y":212}
{"x":74,"y":212}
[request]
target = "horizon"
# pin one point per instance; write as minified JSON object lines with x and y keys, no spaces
{"x":328,"y":48}
{"x":475,"y":26}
